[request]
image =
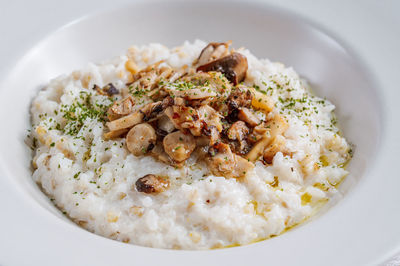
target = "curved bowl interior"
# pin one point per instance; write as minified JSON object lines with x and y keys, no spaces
{"x":332,"y":71}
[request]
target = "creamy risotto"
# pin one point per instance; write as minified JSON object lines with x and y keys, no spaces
{"x":196,"y":147}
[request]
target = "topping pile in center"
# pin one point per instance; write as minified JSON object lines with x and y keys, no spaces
{"x":203,"y":106}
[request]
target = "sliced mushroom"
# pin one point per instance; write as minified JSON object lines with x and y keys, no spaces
{"x":212,"y":133}
{"x":156,"y":76}
{"x":159,"y":153}
{"x":210,"y":124}
{"x":125,"y":121}
{"x":184,"y":117}
{"x":165,"y":124}
{"x":258,"y":133}
{"x":212,"y":80}
{"x":121,"y":108}
{"x":157,"y":94}
{"x":147,"y":113}
{"x":193,"y":93}
{"x":242,"y":167}
{"x":167,"y":75}
{"x":249,"y":117}
{"x":201,"y":88}
{"x":276,"y":126}
{"x":178,"y":73}
{"x":262,"y":101}
{"x":238,"y":132}
{"x":213,"y":51}
{"x":179,"y":146}
{"x":194,"y":87}
{"x":202,"y":141}
{"x":179,"y":101}
{"x":151,"y":184}
{"x":210,"y":116}
{"x":276,"y":145}
{"x":115,"y":134}
{"x":240,"y":96}
{"x":233,"y":66}
{"x":223,"y":162}
{"x":153,"y":110}
{"x":108,"y":90}
{"x":150,"y":68}
{"x":140,"y":139}
{"x":258,"y":148}
{"x":147,"y":78}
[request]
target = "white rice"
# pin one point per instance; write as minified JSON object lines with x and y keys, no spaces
{"x":199,"y":211}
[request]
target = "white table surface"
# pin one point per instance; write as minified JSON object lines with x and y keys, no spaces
{"x":370,"y":27}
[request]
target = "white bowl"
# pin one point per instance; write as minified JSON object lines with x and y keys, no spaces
{"x":332,"y":70}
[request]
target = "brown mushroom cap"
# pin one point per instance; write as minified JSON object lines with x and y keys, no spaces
{"x":151,"y":184}
{"x":213,"y":51}
{"x":108,"y":89}
{"x":233,"y":66}
{"x":140,"y":139}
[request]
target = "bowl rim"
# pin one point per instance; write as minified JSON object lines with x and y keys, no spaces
{"x":361,"y":63}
